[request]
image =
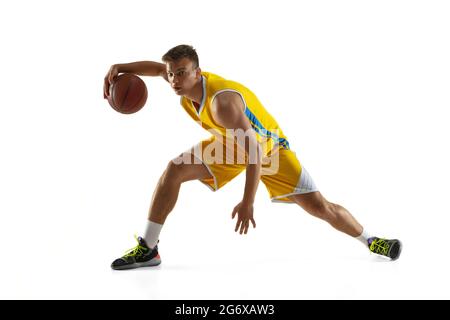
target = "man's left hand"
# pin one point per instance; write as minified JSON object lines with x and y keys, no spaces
{"x":245,"y":215}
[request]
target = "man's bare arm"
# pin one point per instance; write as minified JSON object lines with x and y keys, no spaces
{"x":141,"y":68}
{"x":228,"y":111}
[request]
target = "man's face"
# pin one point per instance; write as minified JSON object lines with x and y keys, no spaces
{"x":182,"y":76}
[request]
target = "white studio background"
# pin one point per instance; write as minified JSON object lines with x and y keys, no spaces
{"x":361,"y":89}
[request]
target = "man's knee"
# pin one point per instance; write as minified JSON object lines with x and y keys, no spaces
{"x":181,"y":172}
{"x":330,"y":211}
{"x":173,"y":173}
{"x":325,"y":210}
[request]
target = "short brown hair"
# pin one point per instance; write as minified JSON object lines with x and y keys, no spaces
{"x":180,"y":52}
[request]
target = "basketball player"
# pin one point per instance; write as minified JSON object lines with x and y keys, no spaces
{"x":224,"y":108}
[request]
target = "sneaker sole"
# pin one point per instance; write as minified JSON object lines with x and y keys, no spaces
{"x":151,"y":263}
{"x":399,"y":251}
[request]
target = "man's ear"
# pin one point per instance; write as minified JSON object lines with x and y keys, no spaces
{"x":198,"y":72}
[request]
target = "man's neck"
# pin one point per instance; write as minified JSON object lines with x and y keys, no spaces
{"x":196,"y":93}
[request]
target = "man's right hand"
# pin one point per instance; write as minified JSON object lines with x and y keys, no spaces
{"x":112,"y":73}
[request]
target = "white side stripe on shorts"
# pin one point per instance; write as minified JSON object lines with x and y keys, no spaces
{"x":305,"y":183}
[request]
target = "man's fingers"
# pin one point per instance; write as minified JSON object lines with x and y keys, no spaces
{"x":253,"y":222}
{"x":247,"y":224}
{"x":106,"y":86}
{"x":234,"y":213}
{"x":237,"y":225}
{"x":112,"y":76}
{"x":242,"y":226}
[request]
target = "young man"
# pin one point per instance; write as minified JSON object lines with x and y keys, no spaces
{"x":238,"y":122}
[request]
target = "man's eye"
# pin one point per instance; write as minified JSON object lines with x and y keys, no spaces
{"x":181,"y":73}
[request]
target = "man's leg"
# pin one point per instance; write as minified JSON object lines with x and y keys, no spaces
{"x":164,"y":198}
{"x":166,"y":192}
{"x":315,"y":204}
{"x":336,"y":215}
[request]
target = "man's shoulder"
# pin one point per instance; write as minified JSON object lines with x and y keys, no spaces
{"x":227,"y":96}
{"x":216,"y":83}
{"x":212,"y":76}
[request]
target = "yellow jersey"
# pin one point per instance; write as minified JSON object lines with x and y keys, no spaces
{"x":268,"y":132}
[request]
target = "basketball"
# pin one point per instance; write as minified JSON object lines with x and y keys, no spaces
{"x":128,"y":93}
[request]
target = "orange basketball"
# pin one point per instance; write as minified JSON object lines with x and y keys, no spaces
{"x":128,"y":93}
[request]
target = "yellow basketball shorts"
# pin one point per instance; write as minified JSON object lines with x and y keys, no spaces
{"x":281,"y":171}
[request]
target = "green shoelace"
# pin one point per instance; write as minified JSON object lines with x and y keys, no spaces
{"x":379,"y":246}
{"x":138,"y":250}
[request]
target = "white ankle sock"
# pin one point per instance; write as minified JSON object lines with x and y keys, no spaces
{"x":363,"y":237}
{"x":151,"y":234}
